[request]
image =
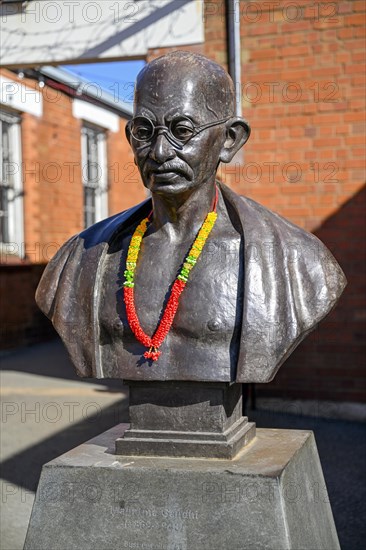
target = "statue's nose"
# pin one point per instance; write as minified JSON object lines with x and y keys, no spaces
{"x":161,"y":149}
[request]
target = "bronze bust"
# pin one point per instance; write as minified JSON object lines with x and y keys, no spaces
{"x":260,"y":285}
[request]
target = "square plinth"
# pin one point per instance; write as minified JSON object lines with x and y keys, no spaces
{"x":270,"y":496}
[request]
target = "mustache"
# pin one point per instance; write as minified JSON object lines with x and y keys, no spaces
{"x":168,"y":166}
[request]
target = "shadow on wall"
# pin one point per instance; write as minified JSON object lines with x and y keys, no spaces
{"x":330,"y":363}
{"x":21,"y":321}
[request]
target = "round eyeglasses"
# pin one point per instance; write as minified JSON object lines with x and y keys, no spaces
{"x":178,"y":132}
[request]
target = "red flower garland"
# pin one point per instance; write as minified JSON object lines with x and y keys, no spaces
{"x":178,"y":286}
{"x":164,"y":326}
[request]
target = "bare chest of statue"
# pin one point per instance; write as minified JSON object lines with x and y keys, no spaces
{"x":203,"y":342}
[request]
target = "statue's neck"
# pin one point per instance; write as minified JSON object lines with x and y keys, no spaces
{"x":181,"y":215}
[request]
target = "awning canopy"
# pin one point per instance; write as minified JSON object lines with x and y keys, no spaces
{"x":44,"y":32}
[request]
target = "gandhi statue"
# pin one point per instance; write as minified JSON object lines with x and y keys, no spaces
{"x":196,"y":283}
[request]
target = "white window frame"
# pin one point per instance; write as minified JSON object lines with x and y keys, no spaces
{"x":15,"y":244}
{"x":99,"y":183}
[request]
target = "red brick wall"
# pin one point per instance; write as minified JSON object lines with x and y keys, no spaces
{"x":330,"y":363}
{"x":53,"y":193}
{"x":125,"y":186}
{"x":303,"y":93}
{"x":307,"y":69}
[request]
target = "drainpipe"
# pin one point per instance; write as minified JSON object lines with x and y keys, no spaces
{"x":233,"y":48}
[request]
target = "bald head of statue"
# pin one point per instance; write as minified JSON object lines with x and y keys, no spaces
{"x":184,"y":122}
{"x":191,"y":74}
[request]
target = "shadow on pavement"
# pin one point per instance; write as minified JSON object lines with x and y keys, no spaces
{"x":48,"y":359}
{"x":24,"y":468}
{"x":341,"y":444}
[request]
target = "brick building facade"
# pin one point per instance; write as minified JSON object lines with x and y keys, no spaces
{"x":53,"y":164}
{"x":67,"y":153}
{"x":302,"y":90}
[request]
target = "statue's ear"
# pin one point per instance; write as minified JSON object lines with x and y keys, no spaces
{"x":128,"y":131}
{"x":237,"y":133}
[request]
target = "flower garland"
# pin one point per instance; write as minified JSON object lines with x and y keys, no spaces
{"x":154,"y":342}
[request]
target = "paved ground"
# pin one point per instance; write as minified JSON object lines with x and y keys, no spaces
{"x":47,"y":410}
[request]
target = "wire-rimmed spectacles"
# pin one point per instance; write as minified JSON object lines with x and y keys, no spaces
{"x":179,"y":131}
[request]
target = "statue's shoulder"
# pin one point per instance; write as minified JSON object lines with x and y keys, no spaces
{"x":103,"y":231}
{"x":82,"y":252}
{"x":292,"y":282}
{"x":281,"y":244}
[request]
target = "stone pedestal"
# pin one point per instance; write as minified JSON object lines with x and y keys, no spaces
{"x":186,"y":419}
{"x":270,"y":496}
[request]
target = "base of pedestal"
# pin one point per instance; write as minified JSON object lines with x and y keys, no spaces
{"x":187,"y":444}
{"x":270,"y":496}
{"x":185,"y":419}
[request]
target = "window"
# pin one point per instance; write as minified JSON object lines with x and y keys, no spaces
{"x":11,"y":188}
{"x":95,"y":179}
